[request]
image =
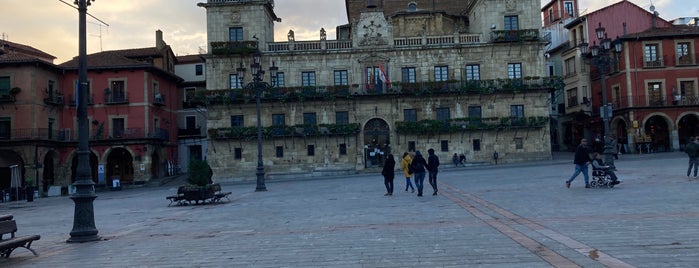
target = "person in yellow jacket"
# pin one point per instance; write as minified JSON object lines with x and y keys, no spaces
{"x":405,"y":165}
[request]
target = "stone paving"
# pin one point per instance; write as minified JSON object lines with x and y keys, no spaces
{"x":518,"y":215}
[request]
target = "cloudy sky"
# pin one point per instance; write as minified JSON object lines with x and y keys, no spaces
{"x":52,"y":26}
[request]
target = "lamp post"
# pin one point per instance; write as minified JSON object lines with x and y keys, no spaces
{"x":599,"y":57}
{"x":257,"y":85}
{"x":84,"y":229}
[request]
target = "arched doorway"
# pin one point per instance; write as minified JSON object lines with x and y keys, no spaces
{"x":48,"y":176}
{"x":93,"y":167}
{"x":9,"y":158}
{"x":657,"y":128}
{"x":687,"y":127}
{"x":622,"y":136}
{"x":119,"y":166}
{"x":377,"y":142}
{"x":155,"y":166}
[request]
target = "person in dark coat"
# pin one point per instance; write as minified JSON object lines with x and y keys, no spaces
{"x":419,"y":163}
{"x":582,"y":157}
{"x":388,"y":174}
{"x":432,"y":169}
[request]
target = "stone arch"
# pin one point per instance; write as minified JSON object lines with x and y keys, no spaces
{"x":619,"y":129}
{"x":49,"y":165}
{"x":687,"y":126}
{"x":377,"y":142}
{"x":9,"y":158}
{"x":94,"y":161}
{"x":119,"y":165}
{"x":659,"y":126}
{"x":155,"y":166}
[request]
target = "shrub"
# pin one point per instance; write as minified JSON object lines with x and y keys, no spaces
{"x":199,"y":173}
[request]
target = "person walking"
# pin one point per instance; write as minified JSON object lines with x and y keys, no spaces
{"x":405,"y":166}
{"x":418,"y":165}
{"x":388,"y":173}
{"x":432,"y":169}
{"x":582,"y":157}
{"x":692,"y":150}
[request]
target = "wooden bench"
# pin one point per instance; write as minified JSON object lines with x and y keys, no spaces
{"x":8,"y":244}
{"x":218,"y":194}
{"x":178,"y":198}
{"x":5,"y":217}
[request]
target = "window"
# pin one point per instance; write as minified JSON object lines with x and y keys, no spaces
{"x":412,"y":7}
{"x":444,"y":145}
{"x":342,"y":117}
{"x":687,"y":89}
{"x":517,"y":114}
{"x":279,"y":80}
{"x":195,"y":152}
{"x":476,"y":145}
{"x":311,"y":150}
{"x":237,"y":121}
{"x":309,"y":120}
{"x":443,"y":114}
{"x":190,"y":122}
{"x":569,"y":8}
{"x":411,"y":146}
{"x":199,"y":69}
{"x":512,"y":22}
{"x":234,"y":81}
{"x":570,"y":67}
{"x":279,"y":122}
{"x":409,"y":115}
{"x":408,"y":74}
{"x":118,"y":128}
{"x":475,"y":114}
{"x":118,"y":91}
{"x":52,"y":122}
{"x":473,"y":72}
{"x":51,"y":88}
{"x":235,"y":34}
{"x":238,"y":153}
{"x":5,"y":127}
{"x":616,"y":96}
{"x":655,"y":93}
{"x":519,"y":143}
{"x":308,"y":79}
{"x":551,"y":15}
{"x":652,"y":59}
{"x":514,"y":70}
{"x":340,"y":78}
{"x":683,"y":53}
{"x":343,"y":149}
{"x":441,"y":73}
{"x":279,"y":151}
{"x":189,"y":93}
{"x":5,"y":85}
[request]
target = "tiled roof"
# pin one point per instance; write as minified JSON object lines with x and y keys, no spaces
{"x":118,"y":58}
{"x":14,"y":52}
{"x":190,"y":59}
{"x":678,"y":30}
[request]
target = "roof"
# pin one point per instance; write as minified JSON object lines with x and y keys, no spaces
{"x":674,"y":31}
{"x":190,"y":59}
{"x":14,"y":52}
{"x":118,"y":58}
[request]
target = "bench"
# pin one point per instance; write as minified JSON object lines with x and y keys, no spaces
{"x":177,"y":198}
{"x":8,"y":227}
{"x":219,"y":194}
{"x":5,"y":217}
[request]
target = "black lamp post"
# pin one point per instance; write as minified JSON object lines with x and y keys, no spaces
{"x":599,"y":57}
{"x":84,"y":229}
{"x":258,"y":86}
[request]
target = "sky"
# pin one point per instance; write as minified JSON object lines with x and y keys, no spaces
{"x":52,"y":26}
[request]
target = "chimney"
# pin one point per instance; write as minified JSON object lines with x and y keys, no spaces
{"x":159,"y":43}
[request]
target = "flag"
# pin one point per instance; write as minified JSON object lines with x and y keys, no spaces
{"x":383,"y":77}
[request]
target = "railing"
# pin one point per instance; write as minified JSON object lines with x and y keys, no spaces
{"x":514,"y":35}
{"x":121,"y":98}
{"x":573,"y":101}
{"x":56,"y":100}
{"x":659,"y":102}
{"x":657,"y":63}
{"x":131,"y":133}
{"x":160,"y":133}
{"x":34,"y":134}
{"x":285,"y":131}
{"x":233,"y":47}
{"x":159,"y":99}
{"x":271,"y":2}
{"x":189,"y":132}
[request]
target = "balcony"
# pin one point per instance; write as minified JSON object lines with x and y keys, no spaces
{"x":189,"y":132}
{"x":233,"y":47}
{"x":6,"y":96}
{"x":118,"y":98}
{"x":654,"y":63}
{"x":38,"y":134}
{"x":509,"y":36}
{"x":159,"y":99}
{"x":130,"y":134}
{"x":54,"y":100}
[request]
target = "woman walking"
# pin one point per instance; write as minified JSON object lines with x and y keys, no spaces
{"x":388,"y":173}
{"x":405,"y":166}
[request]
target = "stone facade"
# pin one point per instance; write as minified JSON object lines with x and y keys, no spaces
{"x":488,"y":92}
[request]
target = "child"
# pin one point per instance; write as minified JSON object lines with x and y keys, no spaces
{"x":597,"y":164}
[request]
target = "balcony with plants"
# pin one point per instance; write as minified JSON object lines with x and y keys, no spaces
{"x":250,"y":133}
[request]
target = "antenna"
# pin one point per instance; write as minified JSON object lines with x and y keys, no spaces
{"x":76,"y":8}
{"x":98,"y":35}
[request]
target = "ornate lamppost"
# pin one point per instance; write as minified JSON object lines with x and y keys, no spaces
{"x":257,"y":85}
{"x":84,"y":229}
{"x":600,"y":58}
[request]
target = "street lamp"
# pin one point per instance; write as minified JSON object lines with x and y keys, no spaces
{"x":84,"y":229}
{"x":258,"y":86}
{"x":599,"y":57}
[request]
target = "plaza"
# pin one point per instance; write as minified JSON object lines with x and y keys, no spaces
{"x":513,"y":215}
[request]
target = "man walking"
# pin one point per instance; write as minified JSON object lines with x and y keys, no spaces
{"x":419,"y":163}
{"x":432,"y":164}
{"x":582,"y":157}
{"x":692,"y":150}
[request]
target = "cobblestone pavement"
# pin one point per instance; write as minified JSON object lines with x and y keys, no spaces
{"x":518,"y":215}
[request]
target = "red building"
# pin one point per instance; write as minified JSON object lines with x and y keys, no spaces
{"x":132,"y":110}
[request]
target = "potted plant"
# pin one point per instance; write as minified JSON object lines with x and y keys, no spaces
{"x":29,"y":188}
{"x":199,"y":180}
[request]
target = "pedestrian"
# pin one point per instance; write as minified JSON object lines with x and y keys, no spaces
{"x":388,"y":173}
{"x":582,"y":157}
{"x":418,"y":165}
{"x":462,"y":160}
{"x":405,"y":166}
{"x":692,"y":150}
{"x":432,"y":169}
{"x":615,"y":146}
{"x":455,"y":159}
{"x":598,"y":164}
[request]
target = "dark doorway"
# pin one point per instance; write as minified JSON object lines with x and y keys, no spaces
{"x":377,"y":142}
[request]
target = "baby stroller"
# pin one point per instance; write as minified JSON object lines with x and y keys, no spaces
{"x":601,"y":179}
